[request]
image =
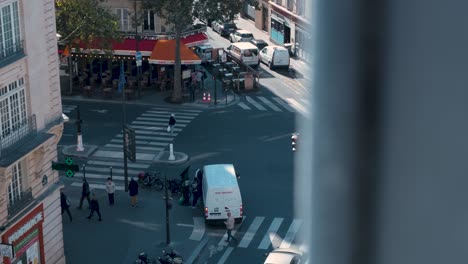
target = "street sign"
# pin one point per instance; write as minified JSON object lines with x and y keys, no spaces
{"x":129,"y":143}
{"x":138,"y":57}
{"x":68,"y":167}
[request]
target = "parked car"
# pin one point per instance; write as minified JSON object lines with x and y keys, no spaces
{"x":244,"y":52}
{"x":241,"y":36}
{"x":275,"y":56}
{"x":223,"y":28}
{"x":260,"y":43}
{"x":204,"y":52}
{"x":285,"y":256}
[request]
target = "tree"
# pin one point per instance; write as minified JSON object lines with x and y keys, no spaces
{"x":82,"y":22}
{"x":180,"y":14}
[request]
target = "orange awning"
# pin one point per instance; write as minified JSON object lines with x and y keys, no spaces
{"x":164,"y":53}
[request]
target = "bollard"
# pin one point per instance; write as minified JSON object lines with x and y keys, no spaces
{"x":110,"y":168}
{"x":171,"y":152}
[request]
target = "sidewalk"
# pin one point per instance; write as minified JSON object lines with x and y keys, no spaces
{"x":298,"y":65}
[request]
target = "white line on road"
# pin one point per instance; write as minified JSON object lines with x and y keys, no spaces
{"x":284,"y":104}
{"x":257,"y":105}
{"x":100,"y":176}
{"x":270,"y":104}
{"x":157,"y":123}
{"x":244,"y":106}
{"x":114,"y":169}
{"x":119,"y":155}
{"x":162,"y":119}
{"x":141,"y":142}
{"x":166,"y":117}
{"x":251,"y":232}
{"x":97,"y":186}
{"x":149,"y":132}
{"x":167,"y":113}
{"x":156,"y":128}
{"x":175,"y":110}
{"x":197,"y":251}
{"x":198,"y":229}
{"x":291,"y":234}
{"x":226,"y":254}
{"x":118,"y":164}
{"x":119,"y":146}
{"x":274,"y":226}
{"x":149,"y":137}
{"x":296,"y":105}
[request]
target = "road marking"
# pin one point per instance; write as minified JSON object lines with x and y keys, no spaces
{"x":291,"y":234}
{"x":149,"y":132}
{"x":179,"y":109}
{"x":157,"y":123}
{"x":166,"y":117}
{"x":100,"y":176}
{"x":118,"y":164}
{"x":114,"y":169}
{"x":274,"y":226}
{"x":138,"y":142}
{"x":270,"y":104}
{"x":97,"y":186}
{"x":167,"y":113}
{"x":284,"y":104}
{"x":251,"y":232}
{"x":119,"y":146}
{"x":244,"y":106}
{"x":198,"y":229}
{"x":197,"y":251}
{"x":161,"y":119}
{"x":299,"y":107}
{"x":148,"y":137}
{"x":119,"y":155}
{"x":257,"y":105}
{"x":222,"y":242}
{"x":225,"y":255}
{"x":160,"y":128}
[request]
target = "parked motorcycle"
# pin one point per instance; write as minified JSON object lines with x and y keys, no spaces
{"x":171,"y":257}
{"x":143,"y":259}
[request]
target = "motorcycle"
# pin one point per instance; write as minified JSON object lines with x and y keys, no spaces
{"x":171,"y":257}
{"x":143,"y":259}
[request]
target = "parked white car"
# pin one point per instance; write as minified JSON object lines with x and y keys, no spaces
{"x":275,"y":56}
{"x":285,"y":256}
{"x":241,"y":36}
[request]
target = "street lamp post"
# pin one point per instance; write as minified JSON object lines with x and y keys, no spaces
{"x":168,"y":233}
{"x":124,"y":121}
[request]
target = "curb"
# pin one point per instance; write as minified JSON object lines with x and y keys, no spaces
{"x":196,"y":252}
{"x":71,"y":151}
{"x":163,"y":158}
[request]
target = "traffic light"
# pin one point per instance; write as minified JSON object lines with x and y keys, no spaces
{"x":68,"y":167}
{"x":294,"y":139}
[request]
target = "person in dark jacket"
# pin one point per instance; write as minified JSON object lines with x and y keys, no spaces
{"x":65,"y":204}
{"x":94,"y":205}
{"x":84,"y":193}
{"x":133,"y":192}
{"x":196,"y":191}
{"x":172,"y":123}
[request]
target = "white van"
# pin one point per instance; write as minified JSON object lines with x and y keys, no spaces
{"x":221,"y":193}
{"x":204,"y":52}
{"x":275,"y":56}
{"x":245,"y":52}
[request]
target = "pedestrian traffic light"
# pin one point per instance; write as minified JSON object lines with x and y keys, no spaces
{"x":68,"y":167}
{"x":294,"y":139}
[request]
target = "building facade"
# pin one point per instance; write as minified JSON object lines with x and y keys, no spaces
{"x":30,"y":127}
{"x":287,"y":22}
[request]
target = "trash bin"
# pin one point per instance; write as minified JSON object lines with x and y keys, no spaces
{"x":248,"y":81}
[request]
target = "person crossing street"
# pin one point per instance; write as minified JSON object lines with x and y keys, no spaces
{"x":172,"y":122}
{"x":94,"y":207}
{"x":84,"y":194}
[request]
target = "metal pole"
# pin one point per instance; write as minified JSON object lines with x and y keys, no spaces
{"x":215,"y":93}
{"x":123,"y":137}
{"x":84,"y":171}
{"x":137,"y":49}
{"x":110,"y":172}
{"x":215,"y":77}
{"x":168,"y":233}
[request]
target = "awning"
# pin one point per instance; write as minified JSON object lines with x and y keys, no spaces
{"x":164,"y":53}
{"x":195,"y":40}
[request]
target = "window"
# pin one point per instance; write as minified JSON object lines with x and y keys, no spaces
{"x":13,"y":115}
{"x":149,"y":21}
{"x":16,"y":186}
{"x":124,"y":22}
{"x":9,"y":29}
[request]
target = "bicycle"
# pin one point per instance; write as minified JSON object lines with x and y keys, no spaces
{"x":152,"y":179}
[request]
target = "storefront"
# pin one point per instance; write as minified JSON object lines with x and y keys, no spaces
{"x":27,"y":239}
{"x":281,"y":29}
{"x":303,"y":42}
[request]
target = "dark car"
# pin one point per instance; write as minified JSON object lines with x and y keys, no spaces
{"x":260,"y":43}
{"x":224,"y":29}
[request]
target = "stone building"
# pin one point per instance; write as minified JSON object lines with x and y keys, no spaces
{"x":30,"y":127}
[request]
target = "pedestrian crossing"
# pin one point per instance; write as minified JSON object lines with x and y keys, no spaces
{"x":67,"y":109}
{"x":256,"y":232}
{"x":151,"y":138}
{"x":274,"y":104}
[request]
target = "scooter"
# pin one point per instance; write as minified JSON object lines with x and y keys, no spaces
{"x":170,"y":258}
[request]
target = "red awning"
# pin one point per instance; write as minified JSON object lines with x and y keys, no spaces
{"x":164,"y":53}
{"x":128,"y":46}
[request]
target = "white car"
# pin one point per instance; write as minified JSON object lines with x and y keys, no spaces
{"x":285,"y":256}
{"x":241,"y":36}
{"x":275,"y":56}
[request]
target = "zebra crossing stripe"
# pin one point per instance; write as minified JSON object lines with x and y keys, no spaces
{"x":223,"y":242}
{"x":166,"y":118}
{"x":149,"y":132}
{"x":179,"y":109}
{"x":152,"y":138}
{"x":155,"y":128}
{"x":157,"y":123}
{"x":114,"y":169}
{"x":100,"y":176}
{"x":97,"y":186}
{"x":119,"y":146}
{"x":251,"y":232}
{"x":140,"y":142}
{"x":243,"y":105}
{"x":167,"y":113}
{"x":225,"y":256}
{"x":291,"y":234}
{"x":117,"y":164}
{"x":198,"y":229}
{"x":274,"y":226}
{"x":162,"y":119}
{"x":119,"y":155}
{"x":283,"y":104}
{"x":254,"y":103}
{"x":270,"y":104}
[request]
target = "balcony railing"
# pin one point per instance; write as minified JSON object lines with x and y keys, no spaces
{"x":15,"y":207}
{"x":12,"y":138}
{"x":11,"y":54}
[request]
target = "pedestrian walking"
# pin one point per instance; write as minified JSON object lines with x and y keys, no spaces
{"x":172,"y":122}
{"x":229,"y":227}
{"x":65,"y":204}
{"x":186,"y":192}
{"x":84,"y":194}
{"x":133,"y":192}
{"x":196,"y":191}
{"x":94,"y":207}
{"x":110,"y":188}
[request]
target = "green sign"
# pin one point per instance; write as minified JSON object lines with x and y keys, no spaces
{"x":68,"y":167}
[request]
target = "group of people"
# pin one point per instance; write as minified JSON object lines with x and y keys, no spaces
{"x":93,"y":203}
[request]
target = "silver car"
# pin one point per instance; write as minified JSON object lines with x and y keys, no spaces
{"x":285,"y":256}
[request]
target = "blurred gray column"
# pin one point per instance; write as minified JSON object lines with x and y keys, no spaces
{"x":389,"y":132}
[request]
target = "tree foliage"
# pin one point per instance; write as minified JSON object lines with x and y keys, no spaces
{"x":226,"y":10}
{"x":84,"y":21}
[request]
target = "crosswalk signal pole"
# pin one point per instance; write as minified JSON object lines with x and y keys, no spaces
{"x":110,"y":172}
{"x":168,"y":233}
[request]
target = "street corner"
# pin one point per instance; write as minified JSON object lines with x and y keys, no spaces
{"x":72,"y":151}
{"x":164,"y":157}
